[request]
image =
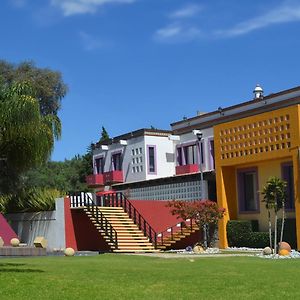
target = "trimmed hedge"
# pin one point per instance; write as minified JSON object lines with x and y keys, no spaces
{"x":240,"y":234}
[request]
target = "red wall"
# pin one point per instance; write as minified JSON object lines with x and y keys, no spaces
{"x":80,"y":232}
{"x":156,"y":213}
{"x":6,"y":231}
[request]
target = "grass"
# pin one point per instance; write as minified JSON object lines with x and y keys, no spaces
{"x":110,"y":276}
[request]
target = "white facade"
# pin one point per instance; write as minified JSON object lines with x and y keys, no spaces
{"x":135,"y":157}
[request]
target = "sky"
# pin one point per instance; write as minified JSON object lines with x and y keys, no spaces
{"x":133,"y":64}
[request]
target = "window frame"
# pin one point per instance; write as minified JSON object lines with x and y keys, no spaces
{"x":154,"y":160}
{"x":241,"y":190}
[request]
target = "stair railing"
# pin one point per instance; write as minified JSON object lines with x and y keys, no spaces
{"x":81,"y":199}
{"x":118,"y":199}
{"x":171,"y":232}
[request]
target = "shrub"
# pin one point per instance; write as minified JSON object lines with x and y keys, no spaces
{"x":240,"y":234}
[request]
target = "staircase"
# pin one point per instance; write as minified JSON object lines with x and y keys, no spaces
{"x":129,"y":237}
{"x":168,"y":239}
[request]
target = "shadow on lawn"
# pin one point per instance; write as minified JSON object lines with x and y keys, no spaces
{"x":5,"y":268}
{"x":14,"y":270}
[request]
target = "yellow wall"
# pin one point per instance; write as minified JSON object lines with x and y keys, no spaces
{"x":264,"y":141}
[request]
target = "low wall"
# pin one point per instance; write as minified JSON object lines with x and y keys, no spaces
{"x":49,"y":224}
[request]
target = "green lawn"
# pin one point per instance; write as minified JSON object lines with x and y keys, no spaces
{"x":110,"y":276}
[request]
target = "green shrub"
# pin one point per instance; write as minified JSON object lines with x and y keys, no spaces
{"x":240,"y":234}
{"x":30,"y":200}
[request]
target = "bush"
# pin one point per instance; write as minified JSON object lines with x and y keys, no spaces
{"x":240,"y":234}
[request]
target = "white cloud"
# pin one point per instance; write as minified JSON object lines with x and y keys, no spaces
{"x":73,"y":7}
{"x":177,"y":33}
{"x":187,"y":11}
{"x":91,"y":42}
{"x":283,"y":14}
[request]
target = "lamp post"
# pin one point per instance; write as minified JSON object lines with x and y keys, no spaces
{"x":199,"y":136}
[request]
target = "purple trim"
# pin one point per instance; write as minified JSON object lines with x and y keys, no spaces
{"x":284,"y":176}
{"x":120,"y":151}
{"x":241,"y":194}
{"x":211,"y":153}
{"x":99,"y":156}
{"x":148,"y":160}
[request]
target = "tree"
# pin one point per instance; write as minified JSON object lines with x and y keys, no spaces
{"x":274,"y":195}
{"x":48,"y":85}
{"x":104,"y":135}
{"x":205,"y":213}
{"x":26,"y":136}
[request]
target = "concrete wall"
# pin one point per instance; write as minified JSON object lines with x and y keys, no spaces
{"x":50,"y":225}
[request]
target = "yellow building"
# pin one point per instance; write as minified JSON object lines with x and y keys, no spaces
{"x":254,"y":141}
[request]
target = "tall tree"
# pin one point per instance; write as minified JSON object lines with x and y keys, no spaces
{"x":274,"y":195}
{"x":48,"y":85}
{"x":104,"y":135}
{"x":26,"y":136}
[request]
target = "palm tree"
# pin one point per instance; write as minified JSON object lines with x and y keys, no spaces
{"x":274,"y":197}
{"x":26,"y":137}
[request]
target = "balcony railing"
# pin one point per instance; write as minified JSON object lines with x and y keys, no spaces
{"x":95,"y":180}
{"x":186,"y":169}
{"x":113,"y":177}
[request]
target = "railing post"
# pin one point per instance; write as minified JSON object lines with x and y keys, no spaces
{"x":145,"y":229}
{"x":172,"y":233}
{"x":155,"y":240}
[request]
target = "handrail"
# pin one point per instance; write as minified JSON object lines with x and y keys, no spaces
{"x":171,"y":233}
{"x":118,"y":199}
{"x":80,"y":199}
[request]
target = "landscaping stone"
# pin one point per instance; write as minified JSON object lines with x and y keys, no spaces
{"x":267,"y":251}
{"x":69,"y":252}
{"x":15,"y":242}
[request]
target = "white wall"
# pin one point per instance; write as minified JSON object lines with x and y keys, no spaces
{"x":164,"y":147}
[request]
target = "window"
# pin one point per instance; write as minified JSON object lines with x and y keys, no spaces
{"x":151,"y":159}
{"x":179,"y":156}
{"x":99,"y":165}
{"x":248,"y":190}
{"x":141,"y":150}
{"x":117,"y":161}
{"x":212,"y":154}
{"x":288,"y":176}
{"x":190,"y":154}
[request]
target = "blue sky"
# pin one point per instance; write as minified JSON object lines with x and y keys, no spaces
{"x":131,"y":64}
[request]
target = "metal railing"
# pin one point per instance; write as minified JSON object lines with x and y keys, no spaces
{"x":118,"y":199}
{"x":81,"y":199}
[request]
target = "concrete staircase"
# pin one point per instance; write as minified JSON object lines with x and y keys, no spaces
{"x":169,"y":242}
{"x":130,"y":238}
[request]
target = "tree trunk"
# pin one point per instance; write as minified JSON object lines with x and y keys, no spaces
{"x":205,"y":236}
{"x":270,"y":229}
{"x":282,"y":222}
{"x":275,"y":234}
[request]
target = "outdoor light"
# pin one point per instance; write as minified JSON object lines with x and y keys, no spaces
{"x":258,"y":92}
{"x":198,"y":133}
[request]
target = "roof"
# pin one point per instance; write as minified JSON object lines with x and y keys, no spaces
{"x":248,"y":108}
{"x":134,"y":134}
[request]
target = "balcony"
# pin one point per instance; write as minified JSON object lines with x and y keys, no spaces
{"x":113,"y":177}
{"x":186,"y":169}
{"x":95,"y":180}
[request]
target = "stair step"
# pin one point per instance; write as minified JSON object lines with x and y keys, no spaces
{"x":136,"y":251}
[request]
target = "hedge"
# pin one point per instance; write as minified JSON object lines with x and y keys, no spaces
{"x":240,"y":234}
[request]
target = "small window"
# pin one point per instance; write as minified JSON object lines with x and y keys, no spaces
{"x":141,"y":159}
{"x":141,"y":151}
{"x":141,"y":168}
{"x":151,"y":159}
{"x":117,"y":161}
{"x":136,"y":151}
{"x":132,"y":151}
{"x":248,"y":190}
{"x":133,"y":169}
{"x":99,"y":165}
{"x":137,"y":169}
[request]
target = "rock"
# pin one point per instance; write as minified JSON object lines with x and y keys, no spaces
{"x":40,"y":242}
{"x":198,"y":249}
{"x":69,"y":252}
{"x":267,"y":251}
{"x":285,"y":246}
{"x":15,"y":242}
{"x":284,"y":252}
